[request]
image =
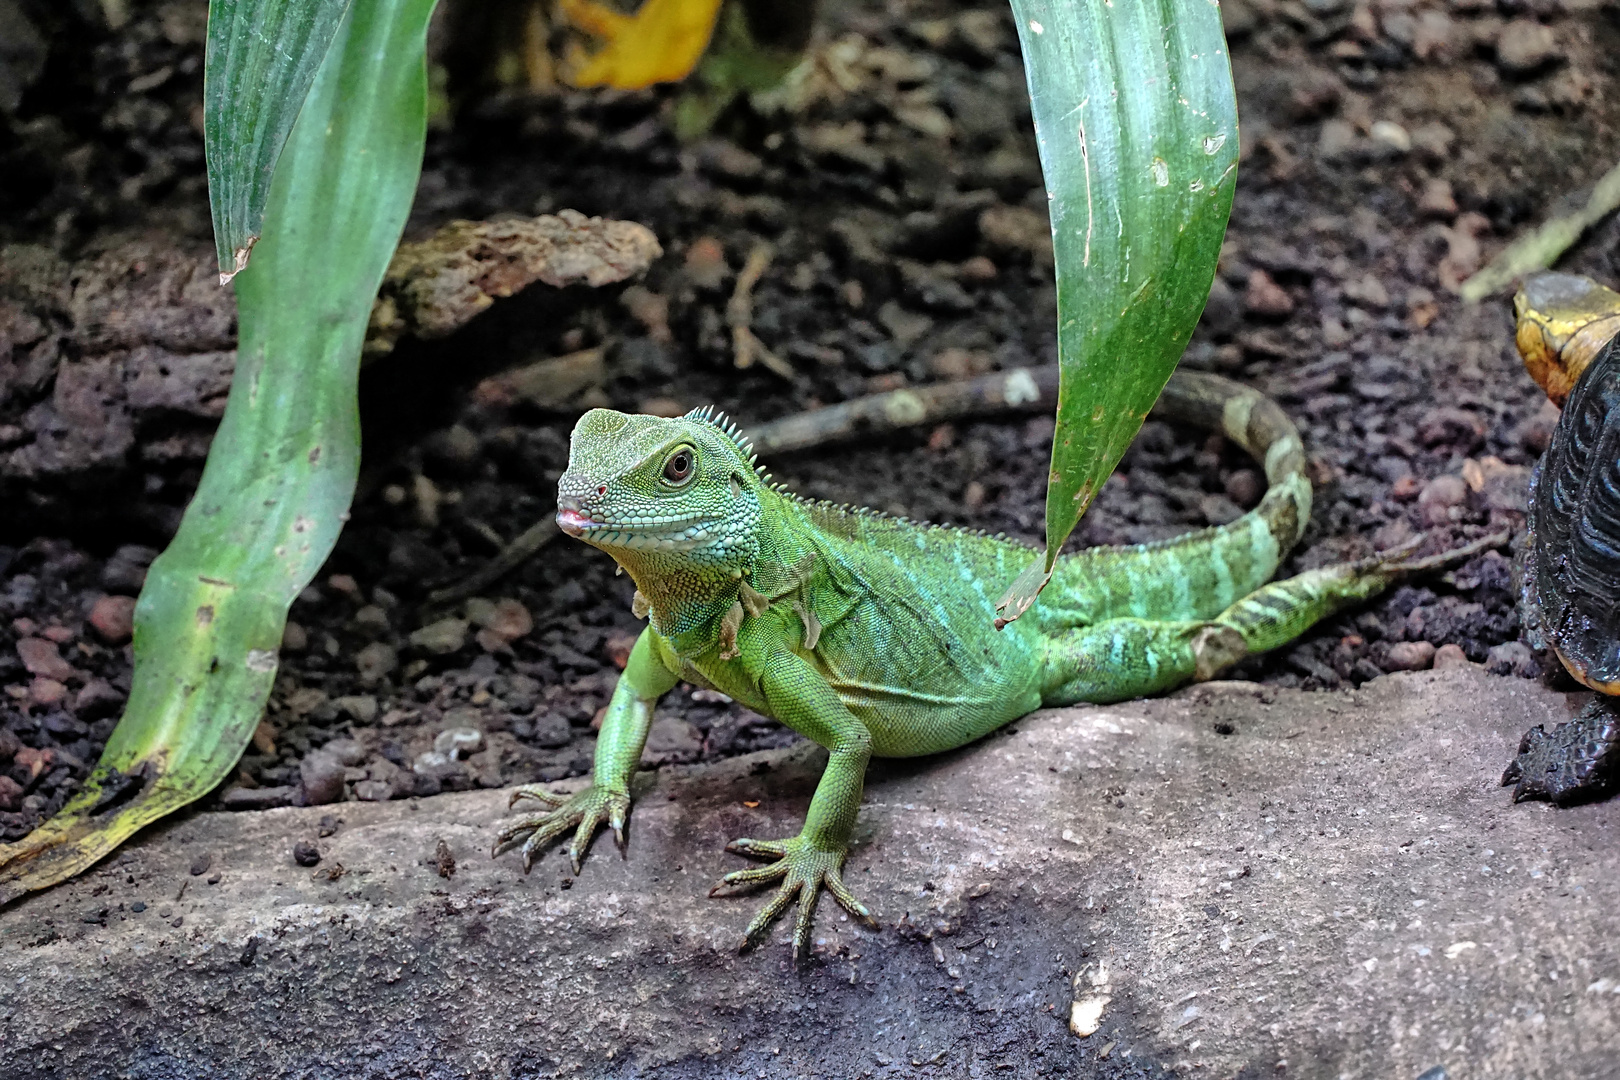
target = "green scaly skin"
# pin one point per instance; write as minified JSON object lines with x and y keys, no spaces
{"x":877,"y":636}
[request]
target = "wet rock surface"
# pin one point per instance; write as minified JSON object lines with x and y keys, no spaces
{"x":1237,"y":880}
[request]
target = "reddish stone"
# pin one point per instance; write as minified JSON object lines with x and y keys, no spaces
{"x":113,"y":618}
{"x":1406,"y":488}
{"x":1265,"y":298}
{"x":43,"y":691}
{"x":35,"y":761}
{"x":41,"y":658}
{"x":512,"y":620}
{"x":618,"y":646}
{"x":1409,"y":656}
{"x":1450,"y":656}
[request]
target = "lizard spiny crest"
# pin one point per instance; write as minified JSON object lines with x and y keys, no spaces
{"x":708,"y":414}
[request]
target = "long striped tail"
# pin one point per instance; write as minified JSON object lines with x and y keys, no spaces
{"x":1263,"y":430}
{"x":1200,"y":574}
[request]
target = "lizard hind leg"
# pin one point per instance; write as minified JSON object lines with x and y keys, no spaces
{"x":1277,"y":613}
{"x":1129,"y":657}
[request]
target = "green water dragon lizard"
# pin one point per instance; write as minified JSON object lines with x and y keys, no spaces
{"x":877,"y":636}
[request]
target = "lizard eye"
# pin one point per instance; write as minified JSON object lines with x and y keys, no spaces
{"x":678,"y":469}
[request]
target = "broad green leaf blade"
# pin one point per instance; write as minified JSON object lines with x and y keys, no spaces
{"x":282,"y":470}
{"x":262,"y":57}
{"x":1136,"y":120}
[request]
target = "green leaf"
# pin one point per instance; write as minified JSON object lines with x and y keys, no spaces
{"x":1137,"y":124}
{"x":262,"y":57}
{"x":281,"y":473}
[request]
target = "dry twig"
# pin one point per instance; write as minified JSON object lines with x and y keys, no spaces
{"x":1019,"y":390}
{"x":746,"y":347}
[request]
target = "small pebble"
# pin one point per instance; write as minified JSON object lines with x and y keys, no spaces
{"x":441,"y":638}
{"x":506,"y":618}
{"x":1245,"y":487}
{"x":1439,"y":496}
{"x":1409,"y":656}
{"x":371,"y":620}
{"x":347,"y":751}
{"x":1390,"y":137}
{"x":294,"y":638}
{"x":125,"y":572}
{"x":551,"y":730}
{"x":138,"y":906}
{"x":1437,"y":199}
{"x":345,"y":584}
{"x":305,"y":853}
{"x":1524,"y":46}
{"x":1338,"y":140}
{"x":320,"y":777}
{"x":113,"y":618}
{"x":46,"y":692}
{"x":41,"y":658}
{"x":375,"y":662}
{"x":458,"y":742}
{"x":373,"y":791}
{"x":1451,"y":656}
{"x":1265,"y":298}
{"x":97,"y":699}
{"x":429,"y":762}
{"x":1512,"y":658}
{"x":200,"y":865}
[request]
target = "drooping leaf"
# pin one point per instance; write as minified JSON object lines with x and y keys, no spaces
{"x":262,"y":57}
{"x":281,"y":472}
{"x":1136,"y":121}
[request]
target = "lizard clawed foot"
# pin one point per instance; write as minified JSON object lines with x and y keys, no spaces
{"x":803,"y":870}
{"x":583,"y":813}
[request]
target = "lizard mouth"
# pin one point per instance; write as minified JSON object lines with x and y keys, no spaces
{"x":672,"y":534}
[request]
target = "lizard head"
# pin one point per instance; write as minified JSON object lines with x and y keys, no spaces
{"x":652,"y":489}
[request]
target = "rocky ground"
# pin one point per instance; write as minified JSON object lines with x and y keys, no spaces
{"x":1385,"y":153}
{"x":1237,"y":881}
{"x":1387,"y":150}
{"x":1210,"y":876}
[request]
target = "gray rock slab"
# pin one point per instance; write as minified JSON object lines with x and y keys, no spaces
{"x":1234,"y":881}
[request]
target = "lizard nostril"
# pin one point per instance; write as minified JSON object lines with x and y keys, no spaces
{"x":602,"y":490}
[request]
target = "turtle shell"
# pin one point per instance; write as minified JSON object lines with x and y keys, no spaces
{"x":1572,"y":578}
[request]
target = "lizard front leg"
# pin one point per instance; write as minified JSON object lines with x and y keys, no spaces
{"x":618,"y":751}
{"x":802,"y":700}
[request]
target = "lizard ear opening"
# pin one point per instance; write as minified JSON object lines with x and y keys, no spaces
{"x":736,"y":486}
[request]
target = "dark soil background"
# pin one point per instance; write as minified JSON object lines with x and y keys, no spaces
{"x":1388,"y":149}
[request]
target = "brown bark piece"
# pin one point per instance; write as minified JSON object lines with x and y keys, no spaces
{"x":437,"y":285}
{"x":126,"y":357}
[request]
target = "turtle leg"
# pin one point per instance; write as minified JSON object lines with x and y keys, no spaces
{"x":1577,"y":762}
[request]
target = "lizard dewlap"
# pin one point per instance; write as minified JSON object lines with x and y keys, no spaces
{"x":875,"y":635}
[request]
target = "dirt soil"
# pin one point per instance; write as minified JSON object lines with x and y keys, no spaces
{"x":1387,"y":151}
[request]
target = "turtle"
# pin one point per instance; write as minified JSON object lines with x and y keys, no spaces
{"x":1568,"y":333}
